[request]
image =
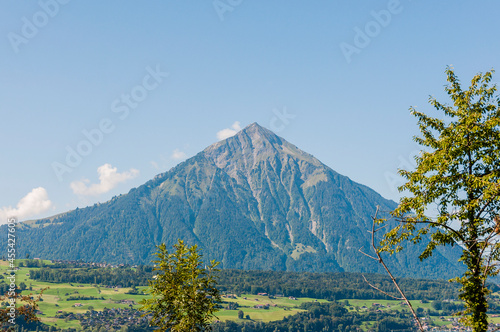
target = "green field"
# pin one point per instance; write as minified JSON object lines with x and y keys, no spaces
{"x":54,"y":298}
{"x":55,"y":301}
{"x":279,"y":307}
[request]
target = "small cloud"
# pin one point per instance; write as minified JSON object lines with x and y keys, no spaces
{"x":34,"y":203}
{"x":109,"y":178}
{"x":228,"y":132}
{"x":178,"y":154}
{"x":155,"y":164}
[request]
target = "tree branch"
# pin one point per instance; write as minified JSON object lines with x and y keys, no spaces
{"x":485,"y":206}
{"x":374,"y":258}
{"x":457,"y":234}
{"x":381,"y":291}
{"x":381,"y":261}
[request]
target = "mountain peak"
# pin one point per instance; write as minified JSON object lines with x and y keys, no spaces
{"x":253,"y":137}
{"x":253,"y":145}
{"x":257,"y":132}
{"x":255,"y":127}
{"x":252,"y":201}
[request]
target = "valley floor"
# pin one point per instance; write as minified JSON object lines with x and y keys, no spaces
{"x":78,"y":306}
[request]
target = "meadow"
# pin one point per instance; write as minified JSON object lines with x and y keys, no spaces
{"x":59,"y":298}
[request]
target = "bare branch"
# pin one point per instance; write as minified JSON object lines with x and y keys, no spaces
{"x":381,"y":261}
{"x":381,"y":291}
{"x":367,"y":254}
{"x":378,"y":229}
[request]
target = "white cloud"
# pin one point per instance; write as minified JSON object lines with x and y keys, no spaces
{"x":35,"y":202}
{"x":108,"y":179}
{"x":178,"y":154}
{"x":155,"y":164}
{"x":228,"y":132}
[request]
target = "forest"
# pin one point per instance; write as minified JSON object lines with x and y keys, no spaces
{"x":328,"y":286}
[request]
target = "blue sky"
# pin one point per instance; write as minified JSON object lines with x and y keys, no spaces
{"x":152,"y":83}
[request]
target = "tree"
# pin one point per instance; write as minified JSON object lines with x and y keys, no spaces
{"x":458,"y":170}
{"x":184,"y":294}
{"x":25,"y":313}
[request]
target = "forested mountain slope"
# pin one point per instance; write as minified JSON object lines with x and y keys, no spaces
{"x":252,"y":201}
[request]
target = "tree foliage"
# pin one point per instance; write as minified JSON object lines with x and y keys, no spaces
{"x":22,"y":308}
{"x":123,"y":276}
{"x":457,"y":176}
{"x":184,"y":294}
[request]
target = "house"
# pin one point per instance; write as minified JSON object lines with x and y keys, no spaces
{"x":261,"y":306}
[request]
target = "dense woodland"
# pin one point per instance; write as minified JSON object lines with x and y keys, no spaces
{"x":125,"y":277}
{"x":329,"y":286}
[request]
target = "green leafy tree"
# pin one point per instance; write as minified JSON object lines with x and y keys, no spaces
{"x":457,"y":171}
{"x":185,"y":297}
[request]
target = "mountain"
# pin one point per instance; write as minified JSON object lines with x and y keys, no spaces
{"x":252,"y":201}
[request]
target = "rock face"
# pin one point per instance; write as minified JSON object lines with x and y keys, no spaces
{"x":252,"y":201}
